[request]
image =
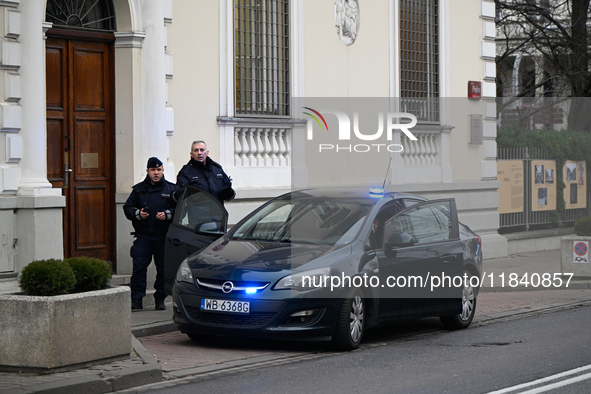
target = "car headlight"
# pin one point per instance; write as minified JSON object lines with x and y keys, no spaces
{"x":184,"y":273}
{"x":306,"y":280}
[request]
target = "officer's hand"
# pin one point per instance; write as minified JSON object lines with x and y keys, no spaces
{"x":177,"y":193}
{"x":161,"y":216}
{"x":227,"y":194}
{"x":144,"y":214}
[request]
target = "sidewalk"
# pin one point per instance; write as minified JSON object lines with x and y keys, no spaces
{"x":528,"y":267}
{"x":162,"y":353}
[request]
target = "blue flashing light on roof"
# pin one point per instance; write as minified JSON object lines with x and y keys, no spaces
{"x":376,"y":192}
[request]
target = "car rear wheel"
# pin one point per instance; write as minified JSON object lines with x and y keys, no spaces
{"x":350,"y":321}
{"x":464,"y":318}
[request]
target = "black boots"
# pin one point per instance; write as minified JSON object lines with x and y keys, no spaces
{"x":136,"y":304}
{"x":159,"y":304}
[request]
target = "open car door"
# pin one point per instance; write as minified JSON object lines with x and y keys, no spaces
{"x":421,"y":247}
{"x":199,"y":220}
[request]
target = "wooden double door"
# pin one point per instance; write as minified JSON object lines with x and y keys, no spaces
{"x":80,"y":138}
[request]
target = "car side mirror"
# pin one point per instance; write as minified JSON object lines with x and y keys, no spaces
{"x":400,"y":240}
{"x":208,"y":228}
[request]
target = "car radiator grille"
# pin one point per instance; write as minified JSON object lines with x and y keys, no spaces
{"x":249,"y":320}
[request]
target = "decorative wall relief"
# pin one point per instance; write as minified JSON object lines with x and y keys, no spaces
{"x":346,"y":15}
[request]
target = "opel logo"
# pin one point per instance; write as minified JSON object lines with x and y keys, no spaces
{"x":227,"y":287}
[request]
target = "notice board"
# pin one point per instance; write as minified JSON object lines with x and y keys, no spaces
{"x":510,"y":174}
{"x":543,"y":196}
{"x":574,"y":174}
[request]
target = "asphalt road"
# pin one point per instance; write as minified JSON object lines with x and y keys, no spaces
{"x":418,"y":357}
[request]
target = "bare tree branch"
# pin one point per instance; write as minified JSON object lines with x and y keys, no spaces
{"x":553,"y":35}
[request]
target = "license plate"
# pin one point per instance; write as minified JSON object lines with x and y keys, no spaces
{"x":225,"y":306}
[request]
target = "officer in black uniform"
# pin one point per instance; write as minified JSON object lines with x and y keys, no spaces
{"x":150,"y":207}
{"x":206,"y":174}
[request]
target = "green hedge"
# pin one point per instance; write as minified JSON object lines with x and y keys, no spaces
{"x":561,"y":145}
{"x":91,"y":274}
{"x":47,"y":278}
{"x":583,"y":227}
{"x":74,"y":275}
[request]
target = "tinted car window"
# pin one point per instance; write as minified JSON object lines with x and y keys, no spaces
{"x":409,"y":202}
{"x":375,"y":238}
{"x":199,"y":211}
{"x":308,"y":221}
{"x":426,"y":223}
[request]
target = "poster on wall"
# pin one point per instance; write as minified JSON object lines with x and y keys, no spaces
{"x":510,"y":174}
{"x":575,"y":192}
{"x":543,"y":196}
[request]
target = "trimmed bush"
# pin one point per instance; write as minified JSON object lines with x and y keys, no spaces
{"x":91,"y":274}
{"x":47,"y":278}
{"x":583,"y":227}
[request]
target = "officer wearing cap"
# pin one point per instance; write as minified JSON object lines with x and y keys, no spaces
{"x":206,"y":174}
{"x":150,"y":207}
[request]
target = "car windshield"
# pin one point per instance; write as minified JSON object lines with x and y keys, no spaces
{"x":317,"y":221}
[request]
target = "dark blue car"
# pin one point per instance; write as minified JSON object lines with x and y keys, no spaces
{"x":320,"y":264}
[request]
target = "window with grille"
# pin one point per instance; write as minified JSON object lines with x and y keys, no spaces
{"x":419,"y":59}
{"x":81,"y":14}
{"x":261,"y":50}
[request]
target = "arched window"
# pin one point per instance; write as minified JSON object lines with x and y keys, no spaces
{"x":81,"y":14}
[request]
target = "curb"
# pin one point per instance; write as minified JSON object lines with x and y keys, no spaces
{"x":153,"y":329}
{"x":228,"y":365}
{"x":574,"y":285}
{"x":523,"y":312}
{"x":149,"y":372}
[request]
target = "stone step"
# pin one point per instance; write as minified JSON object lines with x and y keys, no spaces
{"x":120,"y":280}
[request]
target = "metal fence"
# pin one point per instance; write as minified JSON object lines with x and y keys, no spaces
{"x":529,"y":217}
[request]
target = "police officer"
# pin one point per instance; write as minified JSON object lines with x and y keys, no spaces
{"x":150,"y":207}
{"x":206,"y":174}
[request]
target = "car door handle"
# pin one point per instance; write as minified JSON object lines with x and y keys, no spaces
{"x":448,"y":258}
{"x":176,"y":242}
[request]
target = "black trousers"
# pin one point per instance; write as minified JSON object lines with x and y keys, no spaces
{"x":141,"y":252}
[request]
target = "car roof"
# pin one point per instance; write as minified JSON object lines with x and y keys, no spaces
{"x":348,"y":193}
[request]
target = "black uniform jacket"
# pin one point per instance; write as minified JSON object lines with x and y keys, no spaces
{"x":209,"y":177}
{"x":155,"y":198}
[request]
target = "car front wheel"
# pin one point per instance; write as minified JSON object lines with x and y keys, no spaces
{"x":350,"y":321}
{"x":464,"y":318}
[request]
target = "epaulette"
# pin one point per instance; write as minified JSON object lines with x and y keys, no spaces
{"x":138,"y":185}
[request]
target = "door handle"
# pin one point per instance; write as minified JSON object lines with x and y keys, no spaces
{"x":67,"y":169}
{"x":176,"y":242}
{"x":448,"y":258}
{"x":67,"y":172}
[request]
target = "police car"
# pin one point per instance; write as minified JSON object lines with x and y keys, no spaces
{"x":320,"y":264}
